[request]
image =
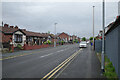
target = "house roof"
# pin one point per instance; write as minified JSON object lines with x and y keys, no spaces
{"x":45,"y":34}
{"x":30,"y":33}
{"x":63,"y":33}
{"x":8,"y":30}
{"x":114,"y":25}
{"x":53,"y":36}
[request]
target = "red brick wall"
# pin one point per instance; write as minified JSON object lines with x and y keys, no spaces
{"x":6,"y":38}
{"x":26,"y":47}
{"x":63,"y":36}
{"x":1,"y":36}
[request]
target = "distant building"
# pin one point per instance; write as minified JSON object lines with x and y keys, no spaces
{"x":64,"y":36}
{"x":74,"y":37}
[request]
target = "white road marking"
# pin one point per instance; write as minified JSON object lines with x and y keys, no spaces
{"x":46,"y":55}
{"x":60,"y":50}
{"x":54,"y":53}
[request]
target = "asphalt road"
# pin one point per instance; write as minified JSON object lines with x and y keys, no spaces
{"x":79,"y":63}
{"x":85,"y":65}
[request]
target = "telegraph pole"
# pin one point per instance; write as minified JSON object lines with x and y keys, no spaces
{"x":55,"y":35}
{"x":103,"y":42}
{"x":93,"y":29}
{"x":2,"y":23}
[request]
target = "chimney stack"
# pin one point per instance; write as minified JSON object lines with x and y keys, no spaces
{"x":11,"y":26}
{"x":24,"y":29}
{"x":16,"y":27}
{"x":6,"y":25}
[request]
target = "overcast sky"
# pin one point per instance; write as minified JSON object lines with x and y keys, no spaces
{"x":72,"y":17}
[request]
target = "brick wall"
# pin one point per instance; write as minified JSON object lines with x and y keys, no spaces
{"x":31,"y":47}
{"x":28,"y":47}
{"x":6,"y":38}
{"x":64,"y":36}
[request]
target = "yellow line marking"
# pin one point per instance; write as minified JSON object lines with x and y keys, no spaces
{"x":65,"y":67}
{"x":56,"y":69}
{"x":61,"y":67}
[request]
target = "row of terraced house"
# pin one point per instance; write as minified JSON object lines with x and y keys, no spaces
{"x":14,"y":36}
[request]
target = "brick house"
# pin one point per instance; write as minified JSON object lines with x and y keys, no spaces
{"x":33,"y":38}
{"x":64,"y":36}
{"x":47,"y":36}
{"x":12,"y":35}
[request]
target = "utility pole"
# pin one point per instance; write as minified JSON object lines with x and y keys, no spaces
{"x":2,"y":23}
{"x":93,"y":29}
{"x":55,"y":35}
{"x":103,"y":42}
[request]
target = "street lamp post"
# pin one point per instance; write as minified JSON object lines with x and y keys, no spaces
{"x":103,"y":43}
{"x":54,"y":36}
{"x":93,"y":29}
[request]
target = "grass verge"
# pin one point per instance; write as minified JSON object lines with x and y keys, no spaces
{"x":109,"y":73}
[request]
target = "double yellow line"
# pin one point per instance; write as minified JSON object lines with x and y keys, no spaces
{"x":60,"y":66}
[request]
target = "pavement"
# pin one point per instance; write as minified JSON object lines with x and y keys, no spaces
{"x":76,"y":63}
{"x":85,"y":65}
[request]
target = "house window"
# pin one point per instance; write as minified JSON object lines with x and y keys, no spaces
{"x":18,"y":38}
{"x":29,"y":39}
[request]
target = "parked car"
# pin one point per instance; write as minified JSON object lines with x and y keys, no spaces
{"x":83,"y":44}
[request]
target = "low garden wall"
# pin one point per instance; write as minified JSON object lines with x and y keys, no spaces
{"x":31,"y":47}
{"x":27,"y":47}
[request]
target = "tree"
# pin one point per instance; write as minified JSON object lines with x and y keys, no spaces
{"x":95,"y":38}
{"x":91,"y":38}
{"x":83,"y":39}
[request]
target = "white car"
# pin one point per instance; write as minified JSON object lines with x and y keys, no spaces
{"x":83,"y":44}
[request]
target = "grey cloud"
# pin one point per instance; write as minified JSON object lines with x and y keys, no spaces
{"x":73,"y":18}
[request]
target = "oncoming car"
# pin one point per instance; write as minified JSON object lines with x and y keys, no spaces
{"x":83,"y":44}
